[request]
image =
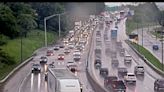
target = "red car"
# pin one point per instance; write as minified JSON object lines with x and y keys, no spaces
{"x":50,"y":53}
{"x":61,"y":57}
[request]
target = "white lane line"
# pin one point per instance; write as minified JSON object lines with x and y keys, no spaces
{"x":20,"y":87}
{"x":39,"y":81}
{"x":32,"y":81}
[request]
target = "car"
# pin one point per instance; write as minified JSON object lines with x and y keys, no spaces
{"x":56,"y":47}
{"x":61,"y":45}
{"x":115,"y":62}
{"x":43,"y":59}
{"x":67,"y":51}
{"x":130,"y":78}
{"x":159,"y":85}
{"x":139,"y":70}
{"x":77,"y":55}
{"x":122,"y":51}
{"x":118,"y":86}
{"x":114,"y":54}
{"x":98,"y":53}
{"x":97,"y":63}
{"x":79,"y":47}
{"x":36,"y":68}
{"x":50,"y":53}
{"x":122,"y":71}
{"x":155,"y":47}
{"x":71,"y":46}
{"x":128,"y":59}
{"x":104,"y":72}
{"x":61,"y":57}
{"x":109,"y":79}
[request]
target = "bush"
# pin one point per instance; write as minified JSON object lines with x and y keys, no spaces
{"x":5,"y":58}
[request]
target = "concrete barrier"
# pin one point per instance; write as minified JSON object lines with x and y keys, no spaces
{"x":160,"y":72}
{"x":96,"y":87}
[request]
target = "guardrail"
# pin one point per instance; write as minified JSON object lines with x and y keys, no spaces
{"x":145,"y":60}
{"x":96,"y":87}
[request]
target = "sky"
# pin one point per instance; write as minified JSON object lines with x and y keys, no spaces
{"x":111,"y":4}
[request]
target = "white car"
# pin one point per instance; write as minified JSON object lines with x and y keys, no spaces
{"x":130,"y":78}
{"x":127,"y":59}
{"x":70,"y":46}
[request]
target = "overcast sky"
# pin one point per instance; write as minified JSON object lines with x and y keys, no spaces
{"x":111,"y":4}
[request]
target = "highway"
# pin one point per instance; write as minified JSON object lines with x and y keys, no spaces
{"x":25,"y":81}
{"x":144,"y":84}
{"x":149,"y":40}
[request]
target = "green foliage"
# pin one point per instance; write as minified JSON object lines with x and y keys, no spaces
{"x":8,"y":22}
{"x":148,"y":55}
{"x":3,"y":39}
{"x":145,"y":14}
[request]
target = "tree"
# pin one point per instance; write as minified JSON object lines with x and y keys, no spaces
{"x":26,"y":22}
{"x":8,"y":22}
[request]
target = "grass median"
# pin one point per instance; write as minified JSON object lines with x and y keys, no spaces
{"x":148,"y":55}
{"x":33,"y":41}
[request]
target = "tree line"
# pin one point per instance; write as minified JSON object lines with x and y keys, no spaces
{"x":19,"y":18}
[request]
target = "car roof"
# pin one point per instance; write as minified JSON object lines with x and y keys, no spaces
{"x":130,"y":74}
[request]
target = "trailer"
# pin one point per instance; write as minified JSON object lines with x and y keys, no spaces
{"x":63,"y":80}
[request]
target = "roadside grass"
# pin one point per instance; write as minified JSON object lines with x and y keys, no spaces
{"x":158,"y":35}
{"x":148,"y":55}
{"x":33,"y":41}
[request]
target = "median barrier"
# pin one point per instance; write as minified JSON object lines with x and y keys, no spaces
{"x":96,"y":87}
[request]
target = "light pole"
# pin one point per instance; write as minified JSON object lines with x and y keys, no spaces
{"x":45,"y":28}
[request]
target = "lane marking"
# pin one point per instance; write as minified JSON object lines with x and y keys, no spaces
{"x":23,"y":81}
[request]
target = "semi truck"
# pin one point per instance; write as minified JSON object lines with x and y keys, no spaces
{"x":114,"y":33}
{"x":63,"y":80}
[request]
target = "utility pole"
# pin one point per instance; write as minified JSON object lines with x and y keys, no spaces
{"x":142,"y":34}
{"x":45,"y":28}
{"x":21,"y":48}
{"x":162,"y":48}
{"x":59,"y":26}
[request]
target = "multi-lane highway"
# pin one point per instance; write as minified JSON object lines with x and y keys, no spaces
{"x":149,"y":40}
{"x":144,"y":84}
{"x":25,"y":81}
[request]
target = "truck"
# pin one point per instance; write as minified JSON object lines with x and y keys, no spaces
{"x":114,"y":33}
{"x":63,"y":80}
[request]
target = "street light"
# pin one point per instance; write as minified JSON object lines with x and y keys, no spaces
{"x":45,"y":28}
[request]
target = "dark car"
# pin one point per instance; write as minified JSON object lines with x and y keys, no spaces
{"x":56,"y":47}
{"x":43,"y":59}
{"x":109,"y":79}
{"x":118,"y":86}
{"x":61,"y":45}
{"x":159,"y":85}
{"x":122,"y":71}
{"x":104,"y":72}
{"x":115,"y":62}
{"x":97,"y":63}
{"x":155,"y":47}
{"x":36,"y":68}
